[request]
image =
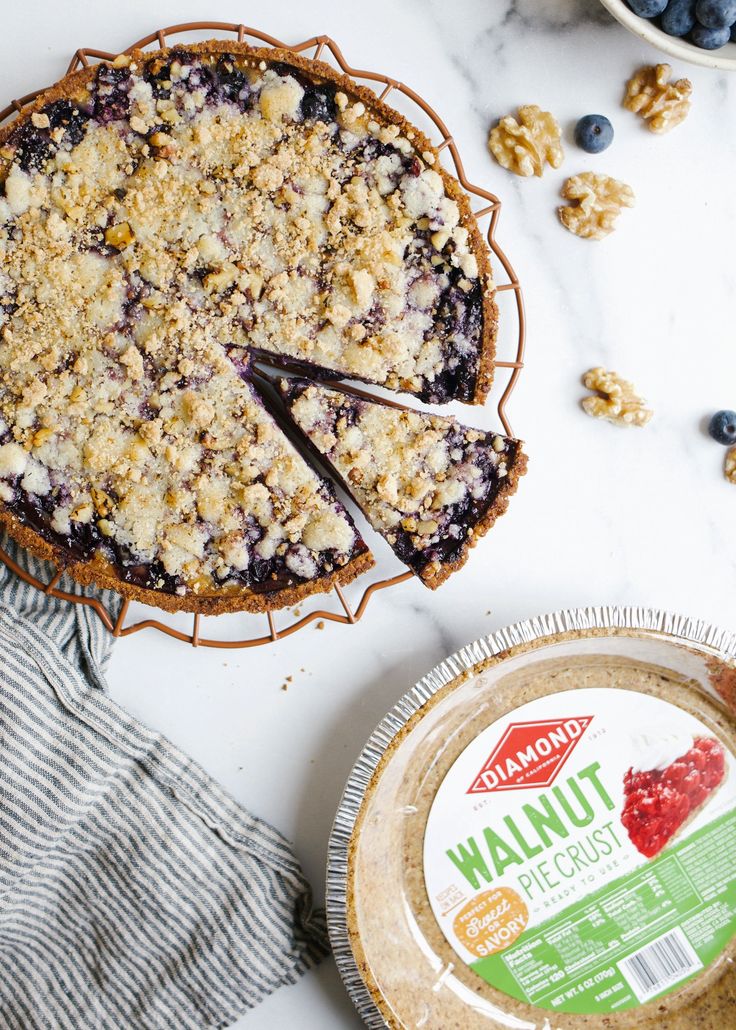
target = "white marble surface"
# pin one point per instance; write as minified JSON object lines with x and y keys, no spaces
{"x":604,"y":515}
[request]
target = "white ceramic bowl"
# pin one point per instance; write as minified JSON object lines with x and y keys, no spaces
{"x":725,"y":58}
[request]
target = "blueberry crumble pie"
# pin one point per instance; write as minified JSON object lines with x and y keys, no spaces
{"x":165,"y":219}
{"x":430,"y":486}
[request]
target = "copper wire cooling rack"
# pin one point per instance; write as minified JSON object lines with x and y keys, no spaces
{"x":325,"y":49}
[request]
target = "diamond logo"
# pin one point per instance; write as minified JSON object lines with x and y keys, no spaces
{"x":530,"y":754}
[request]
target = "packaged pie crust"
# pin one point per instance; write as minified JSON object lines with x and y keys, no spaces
{"x":542,"y":834}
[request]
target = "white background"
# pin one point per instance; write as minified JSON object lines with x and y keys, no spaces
{"x":604,"y":515}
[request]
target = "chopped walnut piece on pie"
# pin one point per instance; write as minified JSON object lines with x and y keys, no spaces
{"x":597,"y":202}
{"x":729,"y":465}
{"x":526,"y":145}
{"x":615,"y":400}
{"x":661,"y":103}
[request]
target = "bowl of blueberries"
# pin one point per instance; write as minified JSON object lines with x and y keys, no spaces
{"x":699,"y":31}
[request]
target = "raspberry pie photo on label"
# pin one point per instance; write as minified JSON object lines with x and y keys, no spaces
{"x":659,"y":802}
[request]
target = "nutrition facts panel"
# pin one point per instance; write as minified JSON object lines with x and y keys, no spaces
{"x":634,"y":939}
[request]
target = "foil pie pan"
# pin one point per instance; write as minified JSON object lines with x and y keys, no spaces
{"x":690,"y":648}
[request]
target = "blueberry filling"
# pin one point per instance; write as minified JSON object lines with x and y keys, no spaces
{"x":80,"y":543}
{"x":112,"y":87}
{"x":151,"y":577}
{"x":158,"y":76}
{"x":233,"y":83}
{"x":318,"y":104}
{"x":204,"y":77}
{"x":374,"y":148}
{"x":33,"y":147}
{"x":465,"y":515}
{"x":301,"y":366}
{"x":285,"y":70}
{"x":84,"y":541}
{"x":458,"y":315}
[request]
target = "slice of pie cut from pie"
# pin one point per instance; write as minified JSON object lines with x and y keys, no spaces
{"x":431,"y":486}
{"x":659,"y":802}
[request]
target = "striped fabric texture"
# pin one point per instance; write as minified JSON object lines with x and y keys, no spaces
{"x":134,"y":892}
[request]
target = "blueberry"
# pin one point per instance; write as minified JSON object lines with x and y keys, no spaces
{"x":72,"y":119}
{"x":710,"y":39}
{"x":373,"y":149}
{"x":722,"y":427}
{"x":111,"y":94}
{"x":158,"y":75}
{"x":33,"y":147}
{"x":234,"y":85}
{"x":647,"y":8}
{"x":716,"y":14}
{"x":318,"y":104}
{"x":201,"y":77}
{"x":594,"y":133}
{"x":678,"y":17}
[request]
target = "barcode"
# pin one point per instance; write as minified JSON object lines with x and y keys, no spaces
{"x":660,"y":964}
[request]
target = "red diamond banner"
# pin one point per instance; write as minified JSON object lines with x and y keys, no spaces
{"x":530,"y":754}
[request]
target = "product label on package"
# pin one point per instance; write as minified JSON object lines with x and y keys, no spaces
{"x":580,"y":854}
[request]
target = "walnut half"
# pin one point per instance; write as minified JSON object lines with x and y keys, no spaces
{"x":524,"y":147}
{"x":729,"y":465}
{"x":615,"y":400}
{"x":598,"y":199}
{"x":661,"y":103}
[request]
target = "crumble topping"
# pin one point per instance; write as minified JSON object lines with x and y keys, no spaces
{"x":616,"y":399}
{"x":597,"y":203}
{"x":660,"y":103}
{"x":527,"y":145}
{"x":423,"y":481}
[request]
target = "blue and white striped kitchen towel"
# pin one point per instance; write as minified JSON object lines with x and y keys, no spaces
{"x":134,"y":892}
